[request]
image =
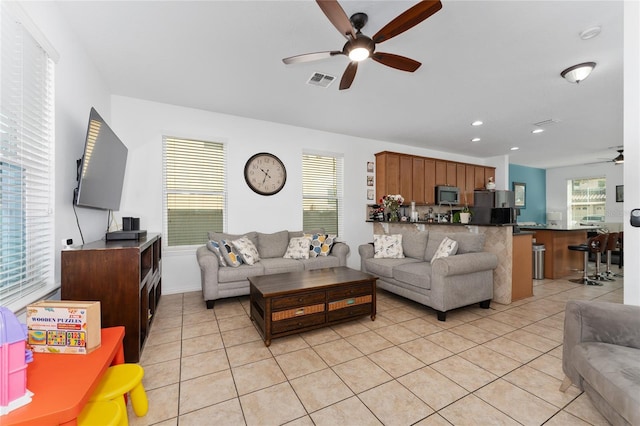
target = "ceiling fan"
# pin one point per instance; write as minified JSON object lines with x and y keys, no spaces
{"x":360,"y":47}
{"x":619,"y":159}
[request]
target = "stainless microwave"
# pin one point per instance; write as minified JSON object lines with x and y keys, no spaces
{"x":447,"y":195}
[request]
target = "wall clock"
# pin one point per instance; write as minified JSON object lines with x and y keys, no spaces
{"x":265,"y":173}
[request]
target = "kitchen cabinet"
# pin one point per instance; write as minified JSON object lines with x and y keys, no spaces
{"x":419,"y":180}
{"x":415,"y":177}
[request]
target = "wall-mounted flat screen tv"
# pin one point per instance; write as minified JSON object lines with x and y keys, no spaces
{"x":101,"y":168}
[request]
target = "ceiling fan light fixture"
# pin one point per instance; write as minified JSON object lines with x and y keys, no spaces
{"x":359,"y":54}
{"x":579,"y":72}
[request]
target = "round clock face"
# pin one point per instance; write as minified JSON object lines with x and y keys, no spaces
{"x":265,"y":174}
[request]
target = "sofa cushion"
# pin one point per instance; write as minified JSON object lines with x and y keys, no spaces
{"x":272,"y":245}
{"x":414,"y":243}
{"x":230,"y":254}
{"x":612,"y":371}
{"x":281,"y":265}
{"x":320,"y":244}
{"x":298,"y":248}
{"x":417,"y":274}
{"x":320,"y":262}
{"x":247,"y":250}
{"x":217,"y":236}
{"x":384,"y":267}
{"x":226,"y":275}
{"x":387,"y":246}
{"x":467,"y":242}
{"x":214,"y":247}
{"x":294,"y":234}
{"x":447,"y":247}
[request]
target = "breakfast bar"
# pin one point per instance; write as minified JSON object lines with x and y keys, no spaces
{"x":559,"y":261}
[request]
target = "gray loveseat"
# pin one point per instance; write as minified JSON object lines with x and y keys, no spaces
{"x":226,"y":281}
{"x":601,"y":355}
{"x":449,"y":283}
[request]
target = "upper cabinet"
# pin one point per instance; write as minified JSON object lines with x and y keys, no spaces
{"x":415,"y":177}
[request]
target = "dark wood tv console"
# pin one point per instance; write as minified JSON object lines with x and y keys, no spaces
{"x":125,"y":276}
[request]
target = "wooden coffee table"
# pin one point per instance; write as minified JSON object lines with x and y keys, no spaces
{"x":292,"y":302}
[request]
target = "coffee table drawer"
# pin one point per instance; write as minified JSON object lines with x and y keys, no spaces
{"x":295,"y":301}
{"x":349,"y":291}
{"x":353,"y":311}
{"x":297,"y":323}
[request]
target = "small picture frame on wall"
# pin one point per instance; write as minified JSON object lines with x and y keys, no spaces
{"x":369,"y":166}
{"x":369,"y":180}
{"x":619,"y":193}
{"x":520,"y":193}
{"x":369,"y":194}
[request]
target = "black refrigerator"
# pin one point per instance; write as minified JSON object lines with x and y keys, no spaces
{"x":494,"y":207}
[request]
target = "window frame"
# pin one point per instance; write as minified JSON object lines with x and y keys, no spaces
{"x":339,"y":177}
{"x":166,"y":191}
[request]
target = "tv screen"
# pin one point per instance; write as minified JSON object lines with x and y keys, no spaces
{"x":102,"y":166}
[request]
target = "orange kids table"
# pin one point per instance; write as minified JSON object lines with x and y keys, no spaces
{"x":62,"y":383}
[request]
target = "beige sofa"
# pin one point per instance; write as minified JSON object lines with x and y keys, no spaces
{"x":226,"y":281}
{"x":450,"y":282}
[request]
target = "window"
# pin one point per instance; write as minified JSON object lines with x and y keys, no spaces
{"x":322,"y":193}
{"x":194,"y":190}
{"x":26,"y":158}
{"x":587,"y":199}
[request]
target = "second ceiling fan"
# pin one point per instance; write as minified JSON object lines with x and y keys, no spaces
{"x":359,"y":47}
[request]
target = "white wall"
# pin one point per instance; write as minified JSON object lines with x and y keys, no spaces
{"x":631,"y":149}
{"x":557,"y":188}
{"x":141,"y":125}
{"x":78,"y":87}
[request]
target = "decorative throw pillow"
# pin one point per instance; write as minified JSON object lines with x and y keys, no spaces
{"x":320,"y":244}
{"x":247,"y":250}
{"x":214,"y":246}
{"x":230,"y":254}
{"x":448,"y":247}
{"x":298,"y":248}
{"x":387,"y":246}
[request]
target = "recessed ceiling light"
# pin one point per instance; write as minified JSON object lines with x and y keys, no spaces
{"x":477,"y":123}
{"x":590,"y":33}
{"x":514,"y":148}
{"x":475,"y":140}
{"x":537,"y":131}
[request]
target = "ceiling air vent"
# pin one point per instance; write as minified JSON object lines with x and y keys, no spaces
{"x":546,"y":123}
{"x":322,"y":80}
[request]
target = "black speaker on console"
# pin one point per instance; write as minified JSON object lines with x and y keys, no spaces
{"x":127,"y":223}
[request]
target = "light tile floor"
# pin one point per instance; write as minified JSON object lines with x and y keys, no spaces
{"x":480,"y":367}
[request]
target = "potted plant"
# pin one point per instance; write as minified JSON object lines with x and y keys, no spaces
{"x":465,"y":214}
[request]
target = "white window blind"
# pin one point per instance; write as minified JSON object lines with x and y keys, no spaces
{"x":322,"y":193}
{"x":194,"y":190}
{"x":26,"y":164}
{"x":588,"y":198}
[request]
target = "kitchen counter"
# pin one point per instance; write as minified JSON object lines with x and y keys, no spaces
{"x":559,"y":261}
{"x":423,"y":222}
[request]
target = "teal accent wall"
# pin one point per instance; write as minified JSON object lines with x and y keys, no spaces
{"x":536,"y":194}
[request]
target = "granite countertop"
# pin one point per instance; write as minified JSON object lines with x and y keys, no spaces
{"x":559,"y":228}
{"x":422,"y":222}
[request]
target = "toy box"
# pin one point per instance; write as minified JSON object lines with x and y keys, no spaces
{"x":64,"y":326}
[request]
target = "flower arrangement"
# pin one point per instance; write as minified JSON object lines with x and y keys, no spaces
{"x":393,"y":203}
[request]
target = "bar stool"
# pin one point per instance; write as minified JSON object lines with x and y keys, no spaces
{"x":612,"y":245}
{"x":597,"y":246}
{"x":116,"y":382}
{"x":104,"y":413}
{"x":584,"y":248}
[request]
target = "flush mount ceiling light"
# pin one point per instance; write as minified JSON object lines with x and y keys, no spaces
{"x":590,"y":33}
{"x":577,"y":73}
{"x":477,"y":123}
{"x":475,"y":140}
{"x":534,"y":131}
{"x":514,"y":148}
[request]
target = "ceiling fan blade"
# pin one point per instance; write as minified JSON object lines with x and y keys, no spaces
{"x":396,"y":61}
{"x":308,"y":57}
{"x":407,"y":19}
{"x":349,"y":75}
{"x":338,"y":17}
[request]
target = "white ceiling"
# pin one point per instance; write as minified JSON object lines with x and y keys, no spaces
{"x":497,"y":61}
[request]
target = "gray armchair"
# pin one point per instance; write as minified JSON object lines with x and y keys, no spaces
{"x":601,"y":355}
